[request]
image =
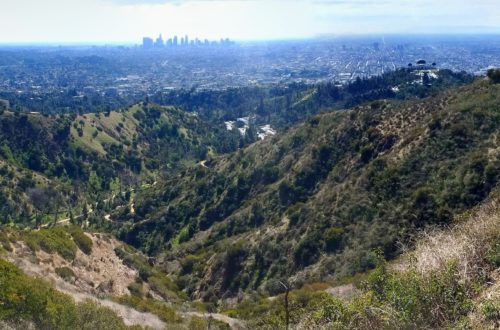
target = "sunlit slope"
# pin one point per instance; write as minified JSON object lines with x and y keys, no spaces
{"x":313,"y":202}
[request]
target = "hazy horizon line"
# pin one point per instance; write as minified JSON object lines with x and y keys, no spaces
{"x":242,"y":41}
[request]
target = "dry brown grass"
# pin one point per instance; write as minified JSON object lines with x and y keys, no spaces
{"x":466,"y":244}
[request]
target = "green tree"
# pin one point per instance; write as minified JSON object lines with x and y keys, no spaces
{"x":494,"y":75}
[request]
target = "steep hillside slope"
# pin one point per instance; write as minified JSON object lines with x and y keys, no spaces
{"x":87,"y":158}
{"x":80,"y":159}
{"x":89,"y":275}
{"x":448,"y":280}
{"x":313,"y":202}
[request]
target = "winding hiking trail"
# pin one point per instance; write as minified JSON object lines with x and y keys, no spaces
{"x":99,"y":275}
{"x":80,"y":290}
{"x":130,"y":316}
{"x":235,"y":324}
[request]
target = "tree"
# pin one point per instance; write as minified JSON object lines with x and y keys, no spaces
{"x":71,"y":217}
{"x":94,"y":182}
{"x":257,"y":215}
{"x":494,"y":75}
{"x":333,"y":238}
{"x":56,"y":201}
{"x":45,"y":200}
{"x":85,"y":212}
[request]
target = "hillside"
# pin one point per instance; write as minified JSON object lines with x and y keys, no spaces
{"x":285,"y":106}
{"x":155,"y":216}
{"x":90,"y":281}
{"x":79,"y":159}
{"x":312,"y":203}
{"x":74,"y":160}
{"x":449,"y":280}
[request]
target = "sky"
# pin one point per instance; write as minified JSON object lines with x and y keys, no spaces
{"x":127,"y":21}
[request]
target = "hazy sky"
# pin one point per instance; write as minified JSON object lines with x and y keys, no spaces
{"x":129,"y":20}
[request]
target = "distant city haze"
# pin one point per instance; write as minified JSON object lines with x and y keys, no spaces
{"x":128,"y":21}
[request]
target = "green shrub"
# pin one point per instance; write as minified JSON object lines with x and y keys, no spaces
{"x":158,"y":281}
{"x":136,"y":289}
{"x":322,"y":310}
{"x":65,"y":273}
{"x":26,"y":299}
{"x":82,"y":241}
{"x":159,"y":308}
{"x":491,"y":310}
{"x":91,"y":316}
{"x":307,"y":251}
{"x":197,"y":323}
{"x":333,"y":238}
{"x":164,"y":286}
{"x":134,"y":260}
{"x":192,"y":263}
{"x":53,"y":240}
{"x":494,"y":75}
{"x":494,"y":254}
{"x":432,"y":300}
{"x":4,"y":241}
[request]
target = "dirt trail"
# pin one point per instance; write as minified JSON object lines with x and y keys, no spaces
{"x":129,"y":315}
{"x":97,"y":276}
{"x":100,"y":274}
{"x":203,"y":164}
{"x":233,"y":323}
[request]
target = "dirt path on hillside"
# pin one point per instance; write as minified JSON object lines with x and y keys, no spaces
{"x":101,"y":267}
{"x":129,"y":315}
{"x":233,"y":323}
{"x":203,"y":164}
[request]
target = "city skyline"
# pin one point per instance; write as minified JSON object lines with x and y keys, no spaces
{"x":174,"y":41}
{"x":127,"y":21}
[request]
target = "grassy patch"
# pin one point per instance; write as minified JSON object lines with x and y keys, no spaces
{"x":493,"y":255}
{"x":491,"y":310}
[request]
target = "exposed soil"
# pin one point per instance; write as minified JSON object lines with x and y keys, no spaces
{"x":98,"y":275}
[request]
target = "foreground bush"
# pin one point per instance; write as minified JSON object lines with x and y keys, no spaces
{"x":25,"y":299}
{"x":442,"y":283}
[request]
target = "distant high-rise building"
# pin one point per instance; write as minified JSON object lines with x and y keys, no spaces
{"x":147,"y":43}
{"x":159,"y":42}
{"x":186,"y":40}
{"x":169,"y":42}
{"x":175,"y":41}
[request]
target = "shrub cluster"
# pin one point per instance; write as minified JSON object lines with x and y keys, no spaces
{"x":25,"y":299}
{"x":82,"y":241}
{"x":53,"y":240}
